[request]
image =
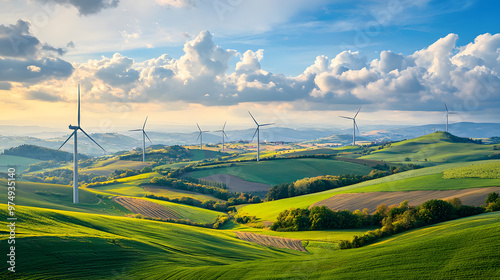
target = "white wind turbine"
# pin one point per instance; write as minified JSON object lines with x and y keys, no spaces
{"x":144,"y":135}
{"x":448,"y":113}
{"x":200,"y":136}
{"x":223,"y":134}
{"x":75,"y":150}
{"x":354,"y":126}
{"x":257,"y":131}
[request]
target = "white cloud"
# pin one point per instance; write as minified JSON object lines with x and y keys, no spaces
{"x":34,"y":68}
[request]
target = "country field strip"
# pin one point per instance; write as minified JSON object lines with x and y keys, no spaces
{"x":370,"y":200}
{"x":272,"y":241}
{"x":147,"y":208}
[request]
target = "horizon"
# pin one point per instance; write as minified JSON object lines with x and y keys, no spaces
{"x":302,"y":66}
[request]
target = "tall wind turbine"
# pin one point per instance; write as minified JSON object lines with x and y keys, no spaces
{"x":223,"y":134}
{"x":200,"y":136}
{"x":257,"y":131}
{"x":75,"y":150}
{"x":354,"y":126}
{"x":144,"y":135}
{"x":447,"y":113}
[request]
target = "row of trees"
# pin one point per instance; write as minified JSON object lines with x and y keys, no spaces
{"x":405,"y":217}
{"x":392,"y":219}
{"x":222,"y":206}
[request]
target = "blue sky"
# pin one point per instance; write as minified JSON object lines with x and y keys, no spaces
{"x":294,"y":62}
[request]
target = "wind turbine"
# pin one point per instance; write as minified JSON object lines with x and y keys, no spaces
{"x":144,"y":135}
{"x":200,"y":136}
{"x":223,"y":134}
{"x":354,"y":126}
{"x":447,"y":113}
{"x":75,"y":150}
{"x":257,"y":131}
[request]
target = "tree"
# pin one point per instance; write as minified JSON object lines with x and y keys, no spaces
{"x":492,"y":197}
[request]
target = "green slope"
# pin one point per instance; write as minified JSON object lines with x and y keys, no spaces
{"x":429,"y":178}
{"x":19,"y":163}
{"x":273,"y":172}
{"x":438,"y":147}
{"x":103,"y":247}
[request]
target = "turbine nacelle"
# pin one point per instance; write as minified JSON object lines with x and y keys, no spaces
{"x":73,"y":127}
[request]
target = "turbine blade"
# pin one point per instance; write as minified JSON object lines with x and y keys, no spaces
{"x":199,"y":134}
{"x":356,"y":124}
{"x":255,"y":133}
{"x":225,"y":134}
{"x":218,"y":131}
{"x":147,"y":136}
{"x":357,"y":113}
{"x":198,"y":127}
{"x":224,"y":126}
{"x":92,"y":139}
{"x":144,"y":126}
{"x":78,"y":104}
{"x":446,"y":107}
{"x":346,"y":118}
{"x":253,"y":118}
{"x":135,"y":130}
{"x":266,"y":124}
{"x":67,"y":139}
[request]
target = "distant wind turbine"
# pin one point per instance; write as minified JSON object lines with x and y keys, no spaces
{"x":144,"y":135}
{"x":354,"y":126}
{"x":200,"y":136}
{"x":257,"y":131}
{"x":223,"y":134}
{"x":448,"y":113}
{"x":75,"y":150}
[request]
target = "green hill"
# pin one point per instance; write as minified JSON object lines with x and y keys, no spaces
{"x":103,"y":247}
{"x":17,"y":162}
{"x":41,"y":153}
{"x":438,"y":147}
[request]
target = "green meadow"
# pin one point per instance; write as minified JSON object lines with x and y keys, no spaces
{"x":273,"y":172}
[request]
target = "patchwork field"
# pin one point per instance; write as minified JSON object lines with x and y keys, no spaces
{"x":236,"y":184}
{"x":371,"y":200}
{"x":175,"y":193}
{"x":147,"y":208}
{"x":272,"y":241}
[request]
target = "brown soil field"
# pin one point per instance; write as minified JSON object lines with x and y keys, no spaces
{"x":273,"y":241}
{"x":147,"y":208}
{"x":236,"y":184}
{"x":353,"y":201}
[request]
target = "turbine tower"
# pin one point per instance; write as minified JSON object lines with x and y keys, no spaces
{"x":223,"y":134}
{"x":144,"y":135}
{"x":447,"y":113}
{"x":200,"y":136}
{"x":354,"y":126}
{"x":257,"y":131}
{"x":75,"y":150}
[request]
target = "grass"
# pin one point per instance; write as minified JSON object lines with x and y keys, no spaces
{"x":436,"y":147}
{"x":174,"y":193}
{"x":103,"y":247}
{"x":429,"y":178}
{"x":129,"y":186}
{"x":106,"y":167}
{"x":485,"y":170}
{"x":273,"y":172}
{"x":19,"y":163}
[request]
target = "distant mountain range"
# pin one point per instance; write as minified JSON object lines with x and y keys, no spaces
{"x":114,"y":142}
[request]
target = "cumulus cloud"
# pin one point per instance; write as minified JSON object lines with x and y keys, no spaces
{"x":23,"y":58}
{"x":86,"y":7}
{"x":462,"y":76}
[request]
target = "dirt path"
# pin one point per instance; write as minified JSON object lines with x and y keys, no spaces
{"x":353,"y":201}
{"x":236,"y":184}
{"x":273,"y":241}
{"x":147,"y":208}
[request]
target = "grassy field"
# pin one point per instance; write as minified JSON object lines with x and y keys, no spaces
{"x":429,"y":178}
{"x":273,"y":172}
{"x":130,"y":186}
{"x":19,"y":163}
{"x":106,"y":167}
{"x":174,"y":193}
{"x":131,"y":248}
{"x":485,"y":170}
{"x":436,"y":147}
